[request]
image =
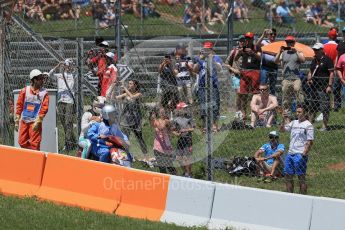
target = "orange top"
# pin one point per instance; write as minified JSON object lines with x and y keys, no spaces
{"x":21,"y":100}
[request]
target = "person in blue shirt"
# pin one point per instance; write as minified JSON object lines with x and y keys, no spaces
{"x":100,"y":135}
{"x":200,"y":68}
{"x":268,"y":157}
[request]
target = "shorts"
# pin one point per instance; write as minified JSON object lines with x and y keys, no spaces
{"x":250,"y":81}
{"x":164,"y":159}
{"x":184,"y":81}
{"x":184,"y":146}
{"x":235,"y":82}
{"x":295,"y":164}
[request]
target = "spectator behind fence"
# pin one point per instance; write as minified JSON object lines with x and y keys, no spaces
{"x":290,"y":59}
{"x":269,"y":69}
{"x":234,"y":69}
{"x":337,"y":86}
{"x":168,"y":84}
{"x":162,"y":147}
{"x":218,"y":13}
{"x":66,"y":104}
{"x":340,"y":71}
{"x":131,"y":113}
{"x":32,"y":106}
{"x":320,"y":77}
{"x":183,"y":126}
{"x":183,"y":70}
{"x":301,"y":141}
{"x":241,"y":11}
{"x":263,"y":107}
{"x":109,"y":78}
{"x":200,"y":68}
{"x":89,"y":117}
{"x":271,"y":163}
{"x":250,"y":70}
{"x":285,"y":13}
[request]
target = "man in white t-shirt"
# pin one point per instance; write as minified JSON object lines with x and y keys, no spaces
{"x":66,"y":90}
{"x":301,"y":141}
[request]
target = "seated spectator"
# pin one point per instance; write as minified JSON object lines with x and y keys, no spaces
{"x":66,"y":9}
{"x":149,"y":9}
{"x":34,"y":11}
{"x":284,"y":12}
{"x":270,"y":165}
{"x":309,"y":16}
{"x":218,"y":12}
{"x":241,"y":10}
{"x":98,"y":11}
{"x":263,"y":107}
{"x":51,"y":9}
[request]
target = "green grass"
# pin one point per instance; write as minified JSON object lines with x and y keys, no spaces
{"x":166,"y":26}
{"x":328,"y":149}
{"x":29,"y":213}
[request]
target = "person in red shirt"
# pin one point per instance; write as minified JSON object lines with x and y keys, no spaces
{"x":109,"y":75}
{"x":330,"y":48}
{"x":32,"y":106}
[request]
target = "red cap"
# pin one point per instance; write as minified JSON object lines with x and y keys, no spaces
{"x":290,"y":38}
{"x":332,"y":33}
{"x":249,"y":35}
{"x":208,"y":45}
{"x":181,"y":105}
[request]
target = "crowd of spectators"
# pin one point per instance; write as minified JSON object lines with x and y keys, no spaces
{"x":42,"y":10}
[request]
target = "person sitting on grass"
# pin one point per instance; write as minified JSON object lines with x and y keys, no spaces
{"x":270,"y":165}
{"x":263,"y":107}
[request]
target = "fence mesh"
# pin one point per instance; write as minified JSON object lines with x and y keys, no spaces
{"x":183,"y":133}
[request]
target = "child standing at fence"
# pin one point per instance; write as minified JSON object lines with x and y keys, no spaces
{"x":162,"y":148}
{"x":183,"y":128}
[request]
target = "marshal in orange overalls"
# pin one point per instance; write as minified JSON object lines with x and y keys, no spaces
{"x":32,"y":106}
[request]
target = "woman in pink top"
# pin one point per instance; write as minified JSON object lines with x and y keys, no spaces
{"x":340,"y":70}
{"x":162,"y":147}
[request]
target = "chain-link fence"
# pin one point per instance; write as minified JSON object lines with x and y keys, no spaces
{"x":174,"y":18}
{"x":191,"y":107}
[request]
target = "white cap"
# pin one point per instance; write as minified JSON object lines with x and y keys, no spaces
{"x":35,"y":73}
{"x":105,"y":43}
{"x":110,"y":54}
{"x":317,"y":46}
{"x":68,"y":62}
{"x":274,"y":133}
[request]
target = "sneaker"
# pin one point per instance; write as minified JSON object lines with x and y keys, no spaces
{"x":319,"y":118}
{"x":323,"y":129}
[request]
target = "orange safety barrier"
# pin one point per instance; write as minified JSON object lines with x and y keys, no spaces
{"x":144,"y":195}
{"x":21,"y":171}
{"x":84,"y":183}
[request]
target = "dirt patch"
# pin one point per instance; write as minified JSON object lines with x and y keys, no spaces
{"x":338,"y":166}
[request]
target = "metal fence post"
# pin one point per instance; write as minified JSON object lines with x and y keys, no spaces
{"x":2,"y":74}
{"x":230,"y":21}
{"x":118,"y":29}
{"x":79,"y":104}
{"x":209,"y":117}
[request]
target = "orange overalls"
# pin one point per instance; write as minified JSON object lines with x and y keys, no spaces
{"x":31,"y":105}
{"x":109,"y":77}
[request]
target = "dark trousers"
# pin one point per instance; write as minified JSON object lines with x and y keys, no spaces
{"x":138,"y":134}
{"x":66,"y":116}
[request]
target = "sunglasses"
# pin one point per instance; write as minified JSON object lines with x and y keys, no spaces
{"x":273,"y":34}
{"x":272,"y":137}
{"x":263,"y":90}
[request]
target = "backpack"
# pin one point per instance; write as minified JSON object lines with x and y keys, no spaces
{"x":242,"y":166}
